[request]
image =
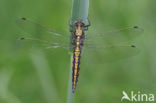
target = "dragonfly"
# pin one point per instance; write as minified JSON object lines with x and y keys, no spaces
{"x":106,"y":43}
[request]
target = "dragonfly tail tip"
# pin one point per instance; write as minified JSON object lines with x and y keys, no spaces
{"x":73,"y":90}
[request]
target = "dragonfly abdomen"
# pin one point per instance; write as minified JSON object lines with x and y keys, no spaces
{"x":77,"y":42}
{"x":75,"y":67}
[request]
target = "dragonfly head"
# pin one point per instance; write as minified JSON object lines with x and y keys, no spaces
{"x":79,"y":23}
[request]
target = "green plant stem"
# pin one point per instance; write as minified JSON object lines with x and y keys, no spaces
{"x":70,"y":96}
{"x":79,"y":11}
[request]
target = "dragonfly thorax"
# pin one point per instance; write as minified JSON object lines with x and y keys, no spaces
{"x":79,"y":25}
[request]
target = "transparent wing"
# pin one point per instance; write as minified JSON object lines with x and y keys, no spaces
{"x":37,"y":35}
{"x":36,"y":30}
{"x":107,"y":53}
{"x":112,"y":46}
{"x":109,"y":45}
{"x":115,"y":36}
{"x":42,"y":44}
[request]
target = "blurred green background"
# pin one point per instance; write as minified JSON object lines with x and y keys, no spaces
{"x":29,"y":75}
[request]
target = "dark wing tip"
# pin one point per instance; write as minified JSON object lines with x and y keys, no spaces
{"x":23,"y":18}
{"x":133,"y":46}
{"x":136,"y":27}
{"x":22,"y":38}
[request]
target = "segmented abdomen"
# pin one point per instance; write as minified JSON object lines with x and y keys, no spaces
{"x":75,"y":67}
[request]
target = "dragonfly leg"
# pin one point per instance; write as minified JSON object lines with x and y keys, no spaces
{"x":87,"y":25}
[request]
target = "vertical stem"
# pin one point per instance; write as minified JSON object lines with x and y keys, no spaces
{"x":70,"y":98}
{"x":79,"y":11}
